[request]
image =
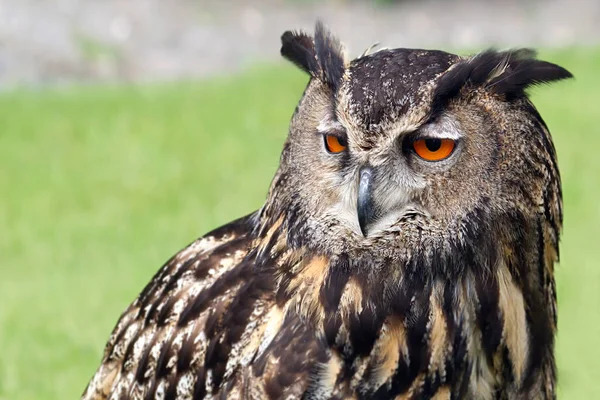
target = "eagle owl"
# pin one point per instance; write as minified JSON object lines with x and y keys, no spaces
{"x":406,"y":248}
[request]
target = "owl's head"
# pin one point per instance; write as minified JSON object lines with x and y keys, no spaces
{"x":405,"y":141}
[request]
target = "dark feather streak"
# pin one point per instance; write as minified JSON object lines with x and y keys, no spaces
{"x":488,"y":315}
{"x":337,"y":277}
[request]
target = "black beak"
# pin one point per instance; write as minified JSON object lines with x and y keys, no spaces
{"x":364,"y":203}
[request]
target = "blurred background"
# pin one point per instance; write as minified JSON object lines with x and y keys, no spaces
{"x":130,"y":127}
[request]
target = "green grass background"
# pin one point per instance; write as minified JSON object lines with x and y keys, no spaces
{"x":100,"y":185}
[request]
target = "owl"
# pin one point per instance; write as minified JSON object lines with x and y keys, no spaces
{"x":405,"y":250}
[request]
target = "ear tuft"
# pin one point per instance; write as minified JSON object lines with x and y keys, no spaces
{"x":321,"y":56}
{"x":507,"y":73}
{"x":299,"y":48}
{"x":524,"y":70}
{"x":330,"y":54}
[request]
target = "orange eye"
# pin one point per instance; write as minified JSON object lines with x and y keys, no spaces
{"x":433,"y":149}
{"x":334,"y":144}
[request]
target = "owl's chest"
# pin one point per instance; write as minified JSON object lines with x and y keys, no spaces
{"x":419,"y":357}
{"x":421,"y":339}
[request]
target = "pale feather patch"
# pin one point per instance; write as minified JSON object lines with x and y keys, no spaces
{"x":208,"y":384}
{"x":372,"y":49}
{"x":389,"y":350}
{"x":499,"y":70}
{"x":255,"y":388}
{"x":514,"y":333}
{"x":359,"y":365}
{"x":351,"y":300}
{"x":551,"y":255}
{"x":306,"y":288}
{"x":482,"y":379}
{"x":326,"y":377}
{"x":185,"y":386}
{"x":417,"y":385}
{"x":445,"y":127}
{"x":137,"y":391}
{"x":275,"y":319}
{"x":155,"y":351}
{"x":290,"y":259}
{"x":123,"y":385}
{"x":442,"y":393}
{"x":438,"y":342}
{"x":343,"y":209}
{"x":160,"y":391}
{"x":329,"y":124}
{"x":118,"y":350}
{"x":263,"y":243}
{"x":140,"y":344}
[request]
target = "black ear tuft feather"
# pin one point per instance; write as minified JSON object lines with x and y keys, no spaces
{"x":330,"y":55}
{"x":449,"y":85}
{"x":507,"y":73}
{"x":299,"y":48}
{"x":523,"y":71}
{"x":321,"y":57}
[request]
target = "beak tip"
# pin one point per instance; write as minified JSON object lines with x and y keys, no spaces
{"x":364,"y":204}
{"x":363,"y":227}
{"x":362,"y":231}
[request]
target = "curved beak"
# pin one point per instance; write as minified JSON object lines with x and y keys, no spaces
{"x":364,"y":204}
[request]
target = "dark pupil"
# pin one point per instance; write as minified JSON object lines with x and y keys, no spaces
{"x":433,"y":144}
{"x":342,"y":141}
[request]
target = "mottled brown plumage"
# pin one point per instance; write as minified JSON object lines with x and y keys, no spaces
{"x":371,"y":272}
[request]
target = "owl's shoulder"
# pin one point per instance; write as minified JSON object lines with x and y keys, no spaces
{"x":186,"y":319}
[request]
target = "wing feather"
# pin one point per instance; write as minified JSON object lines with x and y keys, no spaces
{"x":166,"y":326}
